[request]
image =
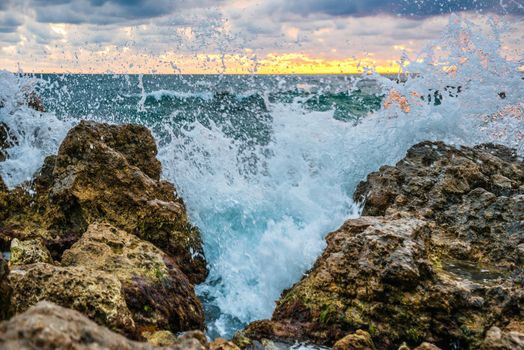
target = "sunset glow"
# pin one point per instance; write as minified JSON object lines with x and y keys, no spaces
{"x":224,"y":37}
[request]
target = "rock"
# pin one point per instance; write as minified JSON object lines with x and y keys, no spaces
{"x":189,"y":340}
{"x":360,"y":340}
{"x":496,"y":339}
{"x":96,"y":294}
{"x":35,"y":102}
{"x":427,"y":346}
{"x":29,"y":252}
{"x":4,"y":205}
{"x":49,"y":326}
{"x":110,"y":173}
{"x":5,"y":289}
{"x":188,"y":337}
{"x":435,"y":260}
{"x":4,"y":141}
{"x":7,"y":140}
{"x":222,"y":344}
{"x":472,"y":191}
{"x":158,"y":294}
{"x":94,"y":141}
{"x":161,"y":338}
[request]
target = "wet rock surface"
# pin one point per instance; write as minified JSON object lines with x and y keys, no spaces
{"x":98,"y":232}
{"x":5,"y":142}
{"x":476,"y":194}
{"x":5,"y":289}
{"x":360,"y":340}
{"x":49,"y":326}
{"x":435,"y":259}
{"x":158,"y":294}
{"x":110,"y":173}
{"x":29,"y":252}
{"x":96,"y":294}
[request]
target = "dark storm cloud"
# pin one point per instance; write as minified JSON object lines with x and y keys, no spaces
{"x":415,"y":8}
{"x":9,"y":24}
{"x":3,"y":5}
{"x":109,"y":11}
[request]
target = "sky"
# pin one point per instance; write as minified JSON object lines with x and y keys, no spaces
{"x":233,"y":36}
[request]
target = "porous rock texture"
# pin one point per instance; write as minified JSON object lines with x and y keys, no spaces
{"x":28,"y":252}
{"x":97,"y":231}
{"x":436,"y":258}
{"x":110,"y":173}
{"x":48,"y":326}
{"x":96,"y":294}
{"x":158,"y":294}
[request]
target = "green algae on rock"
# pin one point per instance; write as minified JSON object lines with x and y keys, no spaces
{"x":98,"y":232}
{"x":29,"y":252}
{"x":158,"y":294}
{"x":435,"y":260}
{"x":96,"y":294}
{"x":109,"y":173}
{"x":114,"y":278}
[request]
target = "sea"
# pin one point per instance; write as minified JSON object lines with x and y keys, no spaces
{"x":267,"y":164}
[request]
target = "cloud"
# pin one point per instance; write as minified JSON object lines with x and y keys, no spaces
{"x":100,"y":32}
{"x":104,"y":12}
{"x":4,"y":4}
{"x":9,"y":23}
{"x":413,"y":8}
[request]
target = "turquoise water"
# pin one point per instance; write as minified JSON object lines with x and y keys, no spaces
{"x":267,"y":164}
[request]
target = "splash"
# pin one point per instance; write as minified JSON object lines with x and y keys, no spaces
{"x":32,"y":135}
{"x":268,"y":170}
{"x":264,"y":229}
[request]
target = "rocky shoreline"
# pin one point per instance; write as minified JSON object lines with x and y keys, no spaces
{"x":437,"y":258}
{"x":102,"y":255}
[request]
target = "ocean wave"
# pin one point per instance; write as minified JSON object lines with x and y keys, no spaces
{"x":265,"y":204}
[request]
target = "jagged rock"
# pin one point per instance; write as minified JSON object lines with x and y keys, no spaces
{"x":222,"y":344}
{"x":96,"y":294}
{"x":8,"y":139}
{"x":29,"y":252}
{"x":194,"y":335}
{"x":4,"y":204}
{"x":110,"y":173}
{"x":49,"y":326}
{"x":191,"y":339}
{"x":114,"y":278}
{"x":474,"y":192}
{"x":438,"y":261}
{"x":158,"y":294}
{"x":360,"y":340}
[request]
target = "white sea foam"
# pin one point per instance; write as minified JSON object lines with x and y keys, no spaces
{"x":35,"y":135}
{"x":159,"y":94}
{"x":264,"y":227}
{"x":264,"y":230}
